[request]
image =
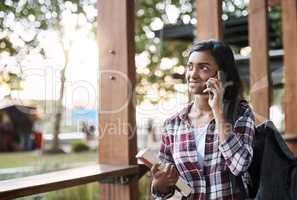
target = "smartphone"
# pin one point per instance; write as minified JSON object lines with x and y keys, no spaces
{"x":219,"y":76}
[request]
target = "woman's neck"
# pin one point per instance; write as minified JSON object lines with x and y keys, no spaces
{"x":201,"y":105}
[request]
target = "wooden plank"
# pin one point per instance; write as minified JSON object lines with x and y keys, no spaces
{"x":117,"y":81}
{"x":209,"y":19}
{"x":20,"y":187}
{"x":117,"y":143}
{"x":260,"y":82}
{"x":289,"y":17}
{"x":292,"y":143}
{"x":274,"y":3}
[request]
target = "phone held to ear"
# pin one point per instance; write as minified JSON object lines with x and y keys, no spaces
{"x":210,"y":85}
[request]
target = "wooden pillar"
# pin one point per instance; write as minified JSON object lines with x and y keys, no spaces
{"x":209,"y":19}
{"x":117,"y":127}
{"x":259,"y":63}
{"x":274,"y":2}
{"x":289,"y":21}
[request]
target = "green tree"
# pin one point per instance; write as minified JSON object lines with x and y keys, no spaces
{"x":158,"y":62}
{"x":163,"y":58}
{"x":151,"y":15}
{"x":154,"y":15}
{"x":23,"y":21}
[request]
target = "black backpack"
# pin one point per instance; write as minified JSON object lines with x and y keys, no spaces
{"x":273,"y":170}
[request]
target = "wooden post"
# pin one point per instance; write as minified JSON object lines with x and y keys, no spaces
{"x":259,"y":63}
{"x":117,"y":129}
{"x":289,"y":17}
{"x":209,"y":19}
{"x":274,"y":2}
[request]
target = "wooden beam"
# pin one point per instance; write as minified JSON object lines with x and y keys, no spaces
{"x":259,"y":62}
{"x":25,"y":186}
{"x":209,"y":19}
{"x":289,"y":23}
{"x":291,"y":142}
{"x":117,"y":129}
{"x":273,"y":3}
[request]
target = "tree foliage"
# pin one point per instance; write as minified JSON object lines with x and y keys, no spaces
{"x":158,"y":62}
{"x":155,"y":80}
{"x":22,"y":23}
{"x":153,"y":15}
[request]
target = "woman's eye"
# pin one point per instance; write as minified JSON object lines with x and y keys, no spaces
{"x":190,"y":67}
{"x":204,"y":68}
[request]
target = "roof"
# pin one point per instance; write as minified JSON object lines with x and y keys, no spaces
{"x":5,"y":103}
{"x":235,"y":32}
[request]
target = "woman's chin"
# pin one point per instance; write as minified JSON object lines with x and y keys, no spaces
{"x":197,"y":92}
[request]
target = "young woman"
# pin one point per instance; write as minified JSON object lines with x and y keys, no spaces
{"x":209,"y":142}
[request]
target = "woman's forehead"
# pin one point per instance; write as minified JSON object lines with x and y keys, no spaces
{"x":201,"y":56}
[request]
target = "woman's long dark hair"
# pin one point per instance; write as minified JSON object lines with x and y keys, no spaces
{"x":224,"y":58}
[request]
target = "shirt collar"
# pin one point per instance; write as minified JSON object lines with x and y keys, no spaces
{"x":183,"y":115}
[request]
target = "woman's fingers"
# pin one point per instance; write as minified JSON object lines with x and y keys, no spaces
{"x":171,"y":170}
{"x":215,"y":87}
{"x":175,"y":172}
{"x":158,"y":174}
{"x":172,"y":175}
{"x":155,"y":168}
{"x":160,"y":170}
{"x":207,"y":90}
{"x":213,"y":90}
{"x":167,"y":169}
{"x":164,"y":175}
{"x":214,"y":83}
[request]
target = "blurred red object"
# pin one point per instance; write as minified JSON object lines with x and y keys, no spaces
{"x":38,"y":139}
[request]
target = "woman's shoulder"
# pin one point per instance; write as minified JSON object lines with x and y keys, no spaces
{"x":177,"y":117}
{"x":172,"y":120}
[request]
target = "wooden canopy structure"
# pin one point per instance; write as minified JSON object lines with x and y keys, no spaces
{"x":209,"y":25}
{"x":117,"y":144}
{"x":235,"y":32}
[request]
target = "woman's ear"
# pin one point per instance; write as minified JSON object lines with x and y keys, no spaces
{"x":216,"y":75}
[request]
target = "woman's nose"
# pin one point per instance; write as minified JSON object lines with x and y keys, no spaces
{"x":195,"y":73}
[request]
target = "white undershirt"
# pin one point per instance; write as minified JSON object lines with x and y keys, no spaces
{"x":200,"y":135}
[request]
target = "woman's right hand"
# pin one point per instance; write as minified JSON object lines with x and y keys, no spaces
{"x":165,"y":178}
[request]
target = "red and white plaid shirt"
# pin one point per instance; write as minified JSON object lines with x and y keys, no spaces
{"x":234,"y":155}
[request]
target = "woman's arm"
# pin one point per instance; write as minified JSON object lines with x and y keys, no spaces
{"x":236,"y":143}
{"x":164,"y":179}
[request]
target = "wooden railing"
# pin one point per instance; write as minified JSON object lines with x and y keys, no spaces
{"x":26,"y":186}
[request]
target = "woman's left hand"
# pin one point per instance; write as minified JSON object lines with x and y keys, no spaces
{"x":216,"y":91}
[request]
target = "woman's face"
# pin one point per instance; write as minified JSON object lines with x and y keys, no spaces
{"x":200,"y":67}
